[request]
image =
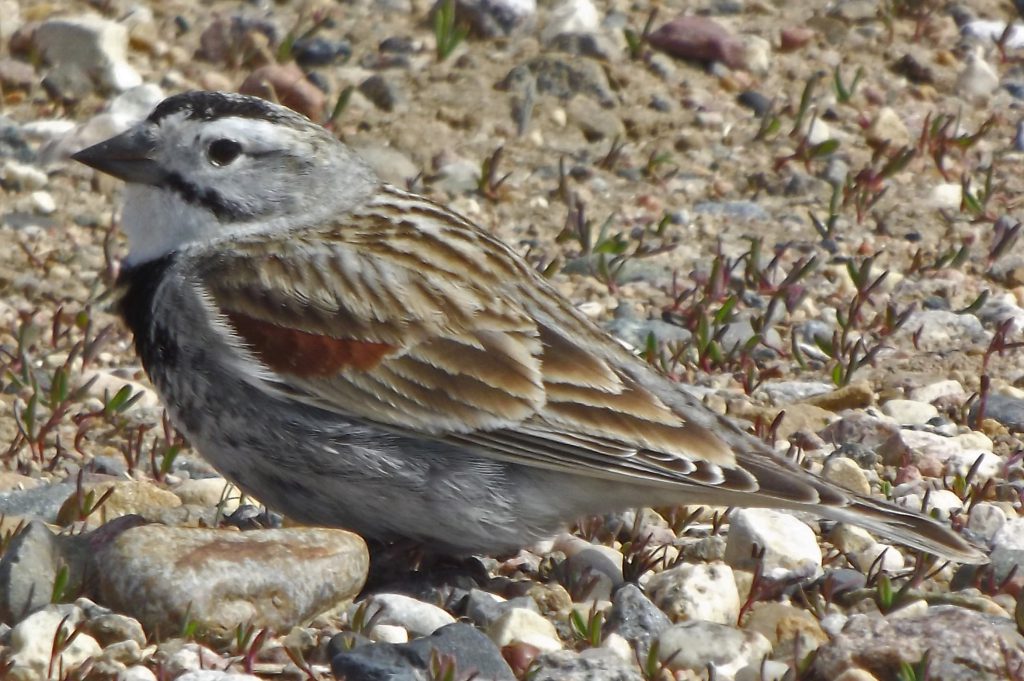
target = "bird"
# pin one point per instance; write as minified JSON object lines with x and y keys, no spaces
{"x":355,"y":355}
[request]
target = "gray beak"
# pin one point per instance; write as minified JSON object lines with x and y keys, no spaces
{"x":127,"y":156}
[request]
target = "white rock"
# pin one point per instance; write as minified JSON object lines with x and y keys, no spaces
{"x":696,"y":645}
{"x":571,"y":16}
{"x":974,"y":440}
{"x":620,"y":646}
{"x":136,"y":673}
{"x":124,"y":111}
{"x":520,"y":625}
{"x":946,"y":195}
{"x":96,"y":45}
{"x":31,"y":641}
{"x":939,"y":390}
{"x":790,"y":547}
{"x":210,"y":492}
{"x":696,"y":592}
{"x":1010,"y":535}
{"x":602,"y":564}
{"x":818,"y":132}
{"x":985,"y":520}
{"x":833,"y":623}
{"x":887,"y":126}
{"x":42,"y":202}
{"x":991,"y":30}
{"x":106,"y":384}
{"x":419,"y":618}
{"x":12,"y":21}
{"x":942,"y":500}
{"x":856,"y":675}
{"x":847,"y":474}
{"x":769,"y":670}
{"x":961,"y":462}
{"x":388,"y":633}
{"x":978,"y":78}
{"x":913,"y":609}
{"x":22,"y":176}
{"x":215,"y":675}
{"x":910,"y":412}
{"x":757,"y":54}
{"x":136,"y":103}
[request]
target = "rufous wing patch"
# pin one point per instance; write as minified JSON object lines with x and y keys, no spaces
{"x":302,"y":353}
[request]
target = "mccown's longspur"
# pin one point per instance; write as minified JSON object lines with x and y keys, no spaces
{"x":355,"y":355}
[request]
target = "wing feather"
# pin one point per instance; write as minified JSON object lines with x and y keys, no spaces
{"x":404,"y":324}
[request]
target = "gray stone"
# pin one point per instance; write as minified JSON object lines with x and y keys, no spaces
{"x":39,"y":502}
{"x":941,"y":330}
{"x":965,"y":646}
{"x":96,"y":46}
{"x":696,"y":645}
{"x":634,"y":617}
{"x":419,"y":618}
{"x":495,"y":18}
{"x":28,"y":570}
{"x":741,"y":210}
{"x":1005,"y":409}
{"x":470,"y":648}
{"x":383,"y":92}
{"x":592,"y":664}
{"x":562,"y":78}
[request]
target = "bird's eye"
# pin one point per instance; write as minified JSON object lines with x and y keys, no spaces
{"x":222,"y":152}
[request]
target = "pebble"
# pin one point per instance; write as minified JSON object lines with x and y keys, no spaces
{"x":156,"y":573}
{"x":90,"y":44}
{"x":43,"y":202}
{"x":210,"y":493}
{"x":31,"y":643}
{"x":847,"y":474}
{"x":909,"y":412}
{"x":985,"y":520}
{"x":696,"y":645}
{"x":634,"y":617}
{"x":126,"y":497}
{"x":417,"y":617}
{"x":385,"y":94}
{"x":949,"y":389}
{"x":887,"y":126}
{"x":599,"y":563}
{"x":696,"y":592}
{"x":978,"y":79}
{"x":1008,"y":548}
{"x":15,"y":175}
{"x":562,"y":78}
{"x":941,"y":500}
{"x":571,"y":16}
{"x":216,"y":675}
{"x":757,"y":54}
{"x":520,"y":625}
{"x":789,"y":629}
{"x":793,"y":38}
{"x":495,"y":18}
{"x":790,"y":547}
{"x":470,"y":650}
{"x":1005,"y":409}
{"x":700,"y":39}
{"x":287,"y":84}
{"x":590,"y":665}
{"x":857,"y":542}
{"x":964,"y":644}
{"x":985,"y":465}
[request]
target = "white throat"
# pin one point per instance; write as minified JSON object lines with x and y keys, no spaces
{"x":158,"y":222}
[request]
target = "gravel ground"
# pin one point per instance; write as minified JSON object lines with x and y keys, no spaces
{"x":790,"y":206}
